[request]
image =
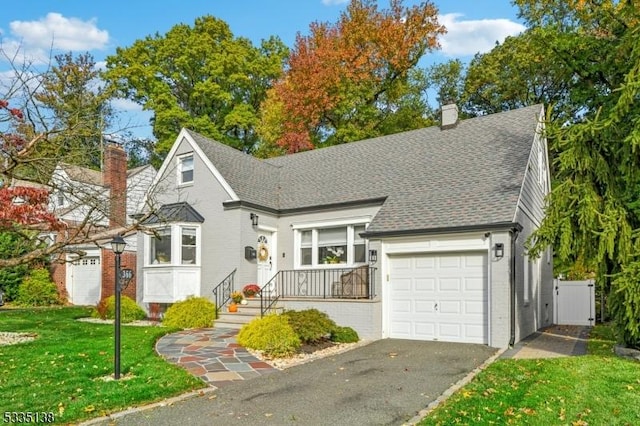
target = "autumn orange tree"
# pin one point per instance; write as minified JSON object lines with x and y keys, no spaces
{"x":353,"y":79}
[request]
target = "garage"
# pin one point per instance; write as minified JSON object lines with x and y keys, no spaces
{"x":439,"y":296}
{"x":85,"y":277}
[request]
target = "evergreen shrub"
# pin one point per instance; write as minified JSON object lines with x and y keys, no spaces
{"x":194,"y":312}
{"x":270,"y":334}
{"x":37,"y":289}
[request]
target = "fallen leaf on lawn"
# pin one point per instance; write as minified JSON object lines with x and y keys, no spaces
{"x":529,"y":411}
{"x":60,"y":409}
{"x":629,"y":387}
{"x":579,"y":423}
{"x":89,"y":409}
{"x":562,"y":415}
{"x":466,"y":394}
{"x":509,"y":411}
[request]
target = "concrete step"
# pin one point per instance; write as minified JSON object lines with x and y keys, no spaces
{"x":244,"y":315}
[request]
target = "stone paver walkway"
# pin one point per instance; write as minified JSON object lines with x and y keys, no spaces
{"x":213,"y":355}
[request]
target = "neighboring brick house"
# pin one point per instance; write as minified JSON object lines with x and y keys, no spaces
{"x":416,"y":235}
{"x":108,"y":199}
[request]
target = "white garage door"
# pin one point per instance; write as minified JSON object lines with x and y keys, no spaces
{"x":86,"y":278}
{"x":439,"y":297}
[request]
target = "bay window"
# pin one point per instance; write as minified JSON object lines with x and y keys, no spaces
{"x":331,"y":245}
{"x":161,"y":247}
{"x":174,"y":245}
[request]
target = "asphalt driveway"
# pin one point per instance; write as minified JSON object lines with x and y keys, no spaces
{"x":386,"y":382}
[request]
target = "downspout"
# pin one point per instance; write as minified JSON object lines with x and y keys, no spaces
{"x":512,"y":285}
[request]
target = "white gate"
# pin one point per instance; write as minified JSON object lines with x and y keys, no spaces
{"x":575,"y":302}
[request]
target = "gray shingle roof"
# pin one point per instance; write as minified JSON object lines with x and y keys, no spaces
{"x":431,"y":178}
{"x":175,"y":212}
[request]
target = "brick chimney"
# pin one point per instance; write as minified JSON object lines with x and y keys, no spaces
{"x":114,"y":177}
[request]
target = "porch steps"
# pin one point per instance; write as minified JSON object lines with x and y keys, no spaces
{"x":245,"y":314}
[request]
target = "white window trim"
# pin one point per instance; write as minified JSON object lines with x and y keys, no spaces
{"x":350,"y":224}
{"x":176,"y":246}
{"x":526,"y":284}
{"x":180,"y":160}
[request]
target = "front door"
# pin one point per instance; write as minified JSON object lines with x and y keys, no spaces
{"x":264,"y":257}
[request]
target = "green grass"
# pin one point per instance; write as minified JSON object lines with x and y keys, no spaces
{"x":595,"y":389}
{"x":62,"y":370}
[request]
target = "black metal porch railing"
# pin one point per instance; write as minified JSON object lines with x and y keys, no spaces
{"x":222,"y":292}
{"x":330,"y":283}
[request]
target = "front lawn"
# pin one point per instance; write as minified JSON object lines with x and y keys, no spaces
{"x":62,"y":371}
{"x":596,"y":389}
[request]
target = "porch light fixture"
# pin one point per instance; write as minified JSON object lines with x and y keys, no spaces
{"x":254,"y":219}
{"x":499,"y":250}
{"x":373,"y":256}
{"x":117,"y":245}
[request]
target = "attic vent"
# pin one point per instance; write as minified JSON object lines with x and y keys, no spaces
{"x":449,"y":116}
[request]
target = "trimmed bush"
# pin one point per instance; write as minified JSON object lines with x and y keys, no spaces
{"x":271,"y":334}
{"x":37,"y":289}
{"x":344,"y":335}
{"x":129,"y":309}
{"x":195,"y":312}
{"x":310,"y":325}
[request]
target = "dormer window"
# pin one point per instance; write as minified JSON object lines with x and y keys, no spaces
{"x":185,"y":169}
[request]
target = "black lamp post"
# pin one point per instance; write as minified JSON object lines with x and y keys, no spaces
{"x":117,"y":245}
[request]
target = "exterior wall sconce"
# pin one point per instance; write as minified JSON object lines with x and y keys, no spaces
{"x":254,"y":219}
{"x":373,"y":256}
{"x":499,"y":250}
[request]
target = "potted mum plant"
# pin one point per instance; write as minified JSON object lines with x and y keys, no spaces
{"x":250,"y":290}
{"x":236,"y":298}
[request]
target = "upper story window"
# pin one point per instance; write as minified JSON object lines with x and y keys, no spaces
{"x":185,"y":169}
{"x":331,"y":245}
{"x":60,"y":199}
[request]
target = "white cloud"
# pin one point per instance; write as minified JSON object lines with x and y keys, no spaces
{"x":59,"y":32}
{"x":469,"y":37}
{"x":125,"y":105}
{"x":334,"y":2}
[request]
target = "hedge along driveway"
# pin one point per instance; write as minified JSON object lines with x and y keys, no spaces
{"x":63,"y":370}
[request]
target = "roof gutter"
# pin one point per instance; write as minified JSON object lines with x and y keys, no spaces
{"x":515,"y":231}
{"x":500,"y":226}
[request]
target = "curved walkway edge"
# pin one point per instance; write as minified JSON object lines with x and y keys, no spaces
{"x":213,"y":355}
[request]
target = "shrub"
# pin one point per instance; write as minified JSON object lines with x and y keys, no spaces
{"x":344,"y":335}
{"x":37,"y":289}
{"x":625,"y":304}
{"x":194,"y":312}
{"x":13,"y":244}
{"x":129,"y":309}
{"x":271,"y":334}
{"x":310,"y":325}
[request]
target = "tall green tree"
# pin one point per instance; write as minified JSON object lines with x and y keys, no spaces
{"x":79,"y":102}
{"x":593,"y":212}
{"x":201,"y":77}
{"x":353,"y":79}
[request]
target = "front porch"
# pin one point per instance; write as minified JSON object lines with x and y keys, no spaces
{"x":337,"y":291}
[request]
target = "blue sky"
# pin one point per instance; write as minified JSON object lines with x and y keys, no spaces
{"x":101,"y":26}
